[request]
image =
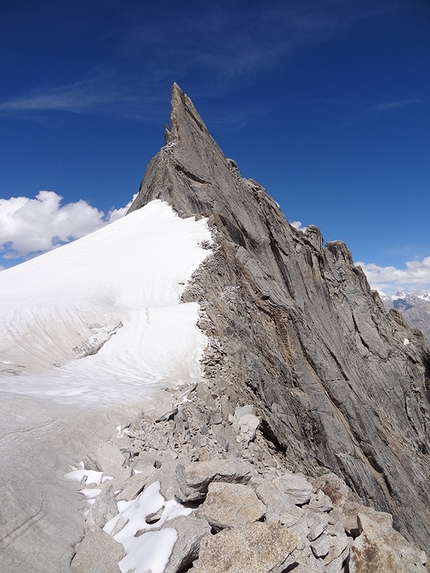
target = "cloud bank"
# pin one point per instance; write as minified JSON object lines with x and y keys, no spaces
{"x":413,"y":278}
{"x":33,"y":226}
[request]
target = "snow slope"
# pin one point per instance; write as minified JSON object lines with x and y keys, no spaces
{"x":99,"y":320}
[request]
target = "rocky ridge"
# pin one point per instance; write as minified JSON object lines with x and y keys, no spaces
{"x":296,"y":330}
{"x":306,"y":378}
{"x":247,"y":511}
{"x":415,"y":307}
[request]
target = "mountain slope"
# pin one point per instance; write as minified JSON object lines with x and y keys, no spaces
{"x":415,"y":307}
{"x":295,"y":329}
{"x":91,"y":334}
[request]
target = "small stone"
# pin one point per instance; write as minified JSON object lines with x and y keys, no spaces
{"x":120,"y":524}
{"x":320,"y":502}
{"x":317,"y":527}
{"x":111,"y":460}
{"x":338,"y":543}
{"x":171,"y":476}
{"x":334,"y":487}
{"x":335,"y":566}
{"x":280,"y":506}
{"x":245,"y":424}
{"x":321,"y":546}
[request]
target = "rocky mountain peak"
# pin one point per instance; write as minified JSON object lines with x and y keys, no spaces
{"x":296,"y":331}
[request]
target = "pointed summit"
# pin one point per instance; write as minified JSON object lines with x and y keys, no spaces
{"x":184,"y":116}
{"x":296,"y":331}
{"x":184,"y":171}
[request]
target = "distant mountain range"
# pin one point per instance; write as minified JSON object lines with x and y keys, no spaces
{"x":415,"y":307}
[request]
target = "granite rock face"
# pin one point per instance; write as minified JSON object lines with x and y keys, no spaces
{"x":296,"y":333}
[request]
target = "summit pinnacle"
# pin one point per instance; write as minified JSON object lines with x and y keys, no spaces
{"x":299,"y":334}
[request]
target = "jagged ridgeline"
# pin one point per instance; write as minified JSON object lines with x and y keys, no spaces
{"x":340,"y":384}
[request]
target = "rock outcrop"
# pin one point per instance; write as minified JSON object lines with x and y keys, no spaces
{"x":296,"y":333}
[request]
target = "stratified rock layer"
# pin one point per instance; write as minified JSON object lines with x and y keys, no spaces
{"x":296,"y":331}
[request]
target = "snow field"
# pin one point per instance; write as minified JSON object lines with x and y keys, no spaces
{"x":99,"y":320}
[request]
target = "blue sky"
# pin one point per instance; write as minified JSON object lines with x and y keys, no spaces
{"x":323,"y":102}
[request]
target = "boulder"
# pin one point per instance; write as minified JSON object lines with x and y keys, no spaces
{"x":190,"y":531}
{"x":98,"y":552}
{"x":294,"y":485}
{"x":102,"y":510}
{"x":280,"y":507}
{"x":230,"y":505}
{"x":381,"y":548}
{"x":198,"y":475}
{"x":254,"y":548}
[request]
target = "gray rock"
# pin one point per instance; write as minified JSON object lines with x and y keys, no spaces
{"x":172,"y":479}
{"x":135,"y":484}
{"x":380,"y":548}
{"x":230,"y":505}
{"x":334,"y":487}
{"x":338,"y":543}
{"x":98,"y":552}
{"x":190,"y":531}
{"x":254,"y":548}
{"x":102,"y":510}
{"x":198,"y":475}
{"x":280,"y":508}
{"x":303,"y":561}
{"x":120,"y":524}
{"x":294,"y":485}
{"x":320,"y":502}
{"x":321,"y":546}
{"x":335,"y":566}
{"x":317,"y":523}
{"x":111,"y":461}
{"x":245,"y":423}
{"x":306,"y":332}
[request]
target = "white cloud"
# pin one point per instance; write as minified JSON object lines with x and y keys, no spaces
{"x":298,"y":225}
{"x":78,"y":97}
{"x":390,"y":105}
{"x":29,"y":226}
{"x":415,"y":277}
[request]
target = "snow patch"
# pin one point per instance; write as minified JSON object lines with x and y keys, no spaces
{"x":146,"y":546}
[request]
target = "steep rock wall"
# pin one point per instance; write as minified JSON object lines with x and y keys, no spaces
{"x":295,"y":328}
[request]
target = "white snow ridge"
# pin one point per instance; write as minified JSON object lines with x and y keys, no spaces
{"x":100,"y":320}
